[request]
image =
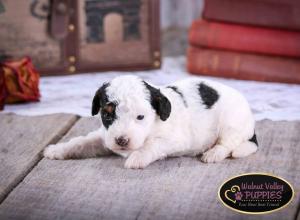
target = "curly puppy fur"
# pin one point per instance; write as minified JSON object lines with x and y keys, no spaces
{"x":145,"y":123}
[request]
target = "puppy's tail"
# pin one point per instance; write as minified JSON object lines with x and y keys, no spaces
{"x":246,"y":148}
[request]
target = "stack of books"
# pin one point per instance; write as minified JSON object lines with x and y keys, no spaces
{"x":252,"y":40}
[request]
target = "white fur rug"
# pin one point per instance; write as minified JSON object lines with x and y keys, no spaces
{"x":73,"y":94}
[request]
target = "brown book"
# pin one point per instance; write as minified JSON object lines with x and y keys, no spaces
{"x":202,"y":61}
{"x":245,"y":38}
{"x":268,"y":13}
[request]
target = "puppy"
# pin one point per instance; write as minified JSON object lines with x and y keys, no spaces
{"x":145,"y":123}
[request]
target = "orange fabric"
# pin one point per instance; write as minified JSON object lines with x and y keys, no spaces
{"x":21,"y":81}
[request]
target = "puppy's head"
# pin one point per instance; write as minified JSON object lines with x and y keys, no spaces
{"x":129,"y":107}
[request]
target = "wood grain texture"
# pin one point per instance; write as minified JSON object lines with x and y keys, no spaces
{"x":22,"y":139}
{"x":176,"y":188}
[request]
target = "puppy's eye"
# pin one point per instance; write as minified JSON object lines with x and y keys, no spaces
{"x":140,"y":117}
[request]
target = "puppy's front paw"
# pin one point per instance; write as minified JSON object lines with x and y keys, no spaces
{"x":215,"y":154}
{"x":136,"y":160}
{"x":54,"y":152}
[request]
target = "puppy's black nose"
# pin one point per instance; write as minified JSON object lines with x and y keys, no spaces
{"x":122,"y":141}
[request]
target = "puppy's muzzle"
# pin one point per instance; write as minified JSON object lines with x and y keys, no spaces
{"x":122,"y":141}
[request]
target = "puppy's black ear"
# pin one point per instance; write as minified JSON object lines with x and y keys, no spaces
{"x":99,"y":99}
{"x":159,"y":102}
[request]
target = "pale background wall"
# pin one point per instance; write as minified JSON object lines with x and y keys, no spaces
{"x":176,"y":18}
{"x":179,"y":13}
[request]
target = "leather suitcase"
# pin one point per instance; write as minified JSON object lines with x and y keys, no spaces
{"x":76,"y":36}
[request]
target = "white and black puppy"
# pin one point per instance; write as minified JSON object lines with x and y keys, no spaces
{"x":145,"y":123}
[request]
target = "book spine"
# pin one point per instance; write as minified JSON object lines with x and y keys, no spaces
{"x":279,"y":14}
{"x":245,"y":38}
{"x":202,"y":61}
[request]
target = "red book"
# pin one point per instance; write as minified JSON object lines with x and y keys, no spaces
{"x":220,"y":63}
{"x":245,"y":38}
{"x":267,"y":13}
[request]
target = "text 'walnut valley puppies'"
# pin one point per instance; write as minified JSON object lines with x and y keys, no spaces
{"x":145,"y":123}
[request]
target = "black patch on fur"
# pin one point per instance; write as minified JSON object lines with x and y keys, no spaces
{"x":175,"y":89}
{"x":253,"y":139}
{"x":100,"y":99}
{"x":208,"y":95}
{"x":159,"y":102}
{"x":101,"y":102}
{"x":108,"y":117}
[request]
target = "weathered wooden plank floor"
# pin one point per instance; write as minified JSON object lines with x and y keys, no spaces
{"x":176,"y":188}
{"x":22,"y":139}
